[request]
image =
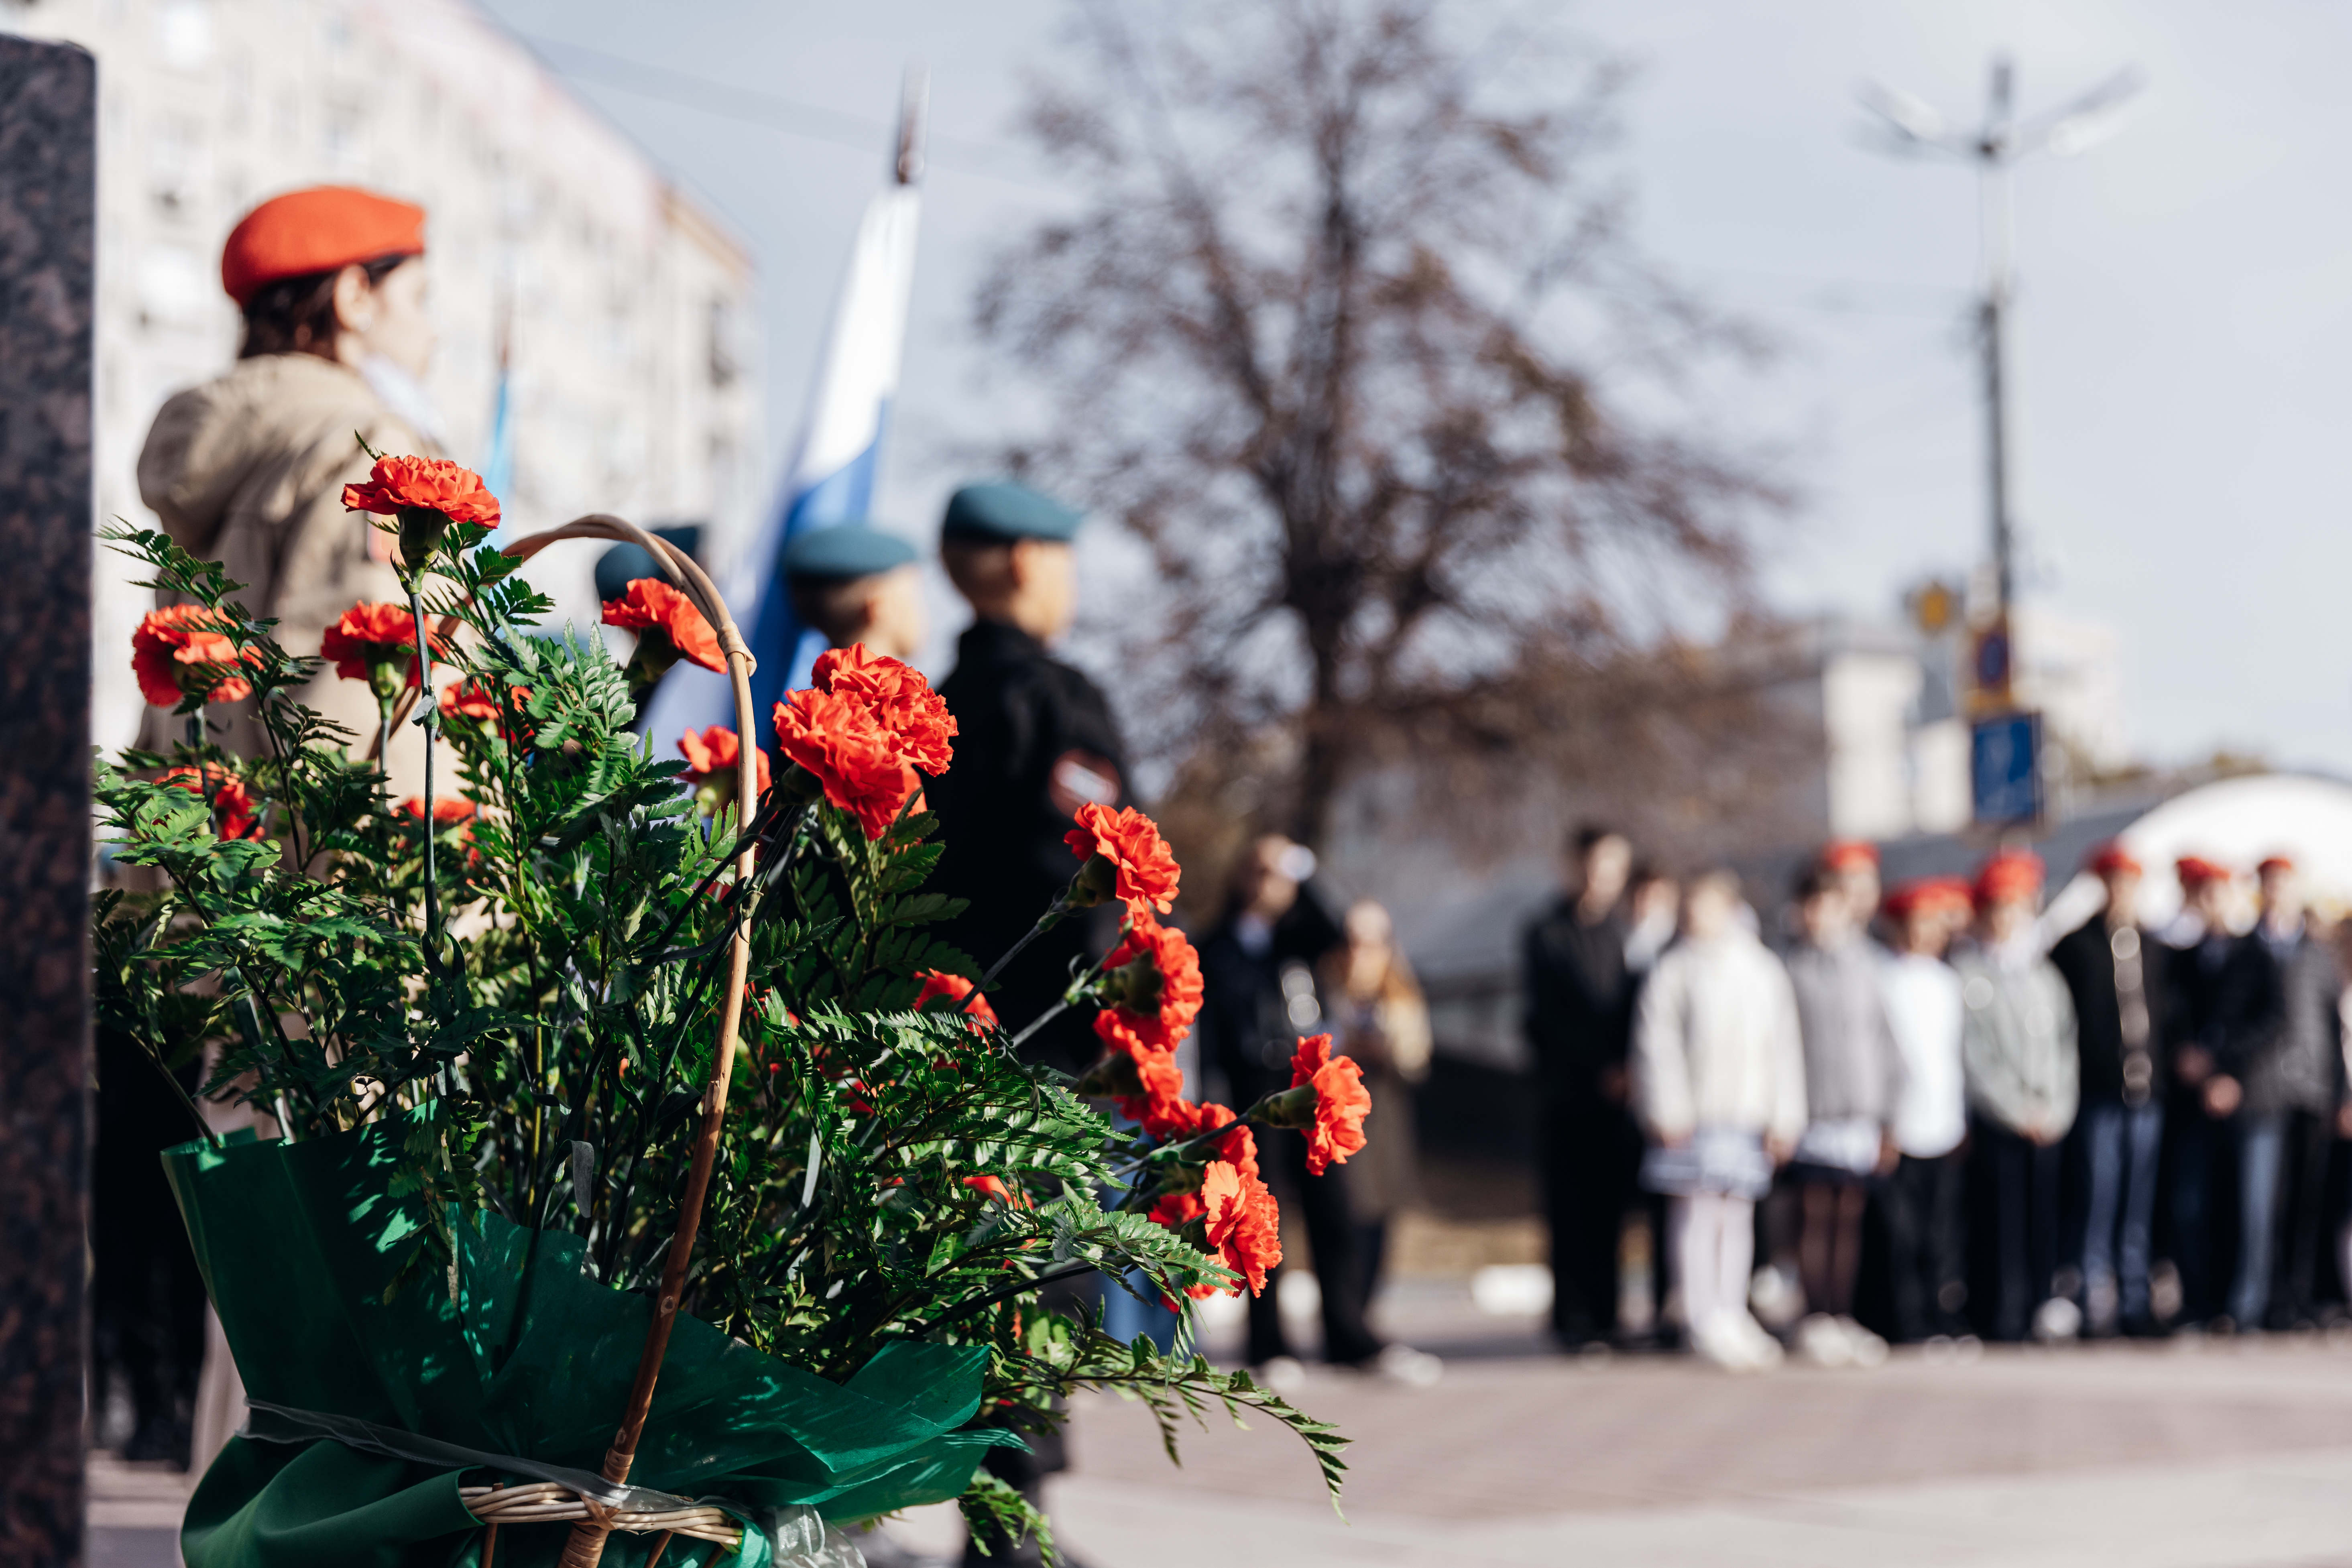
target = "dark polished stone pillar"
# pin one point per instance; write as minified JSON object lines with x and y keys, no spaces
{"x":48,"y":164}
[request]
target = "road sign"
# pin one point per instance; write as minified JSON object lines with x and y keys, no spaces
{"x":2005,"y":769}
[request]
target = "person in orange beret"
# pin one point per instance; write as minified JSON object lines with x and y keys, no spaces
{"x":2113,"y":971}
{"x":1853,"y":863}
{"x":2017,"y":1046}
{"x":2215,"y":988}
{"x":249,"y":468}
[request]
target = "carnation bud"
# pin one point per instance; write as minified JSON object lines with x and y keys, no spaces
{"x":716,"y":794}
{"x":1113,"y":1077}
{"x":421,"y":530}
{"x":1290,"y":1108}
{"x":1096,"y":883}
{"x":385,"y":677}
{"x":1135,"y":985}
{"x":655,"y":653}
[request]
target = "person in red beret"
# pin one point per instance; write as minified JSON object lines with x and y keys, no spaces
{"x":1923,"y":1199}
{"x":2017,"y":1046}
{"x":1854,"y":863}
{"x":2216,"y":988}
{"x":2114,"y":973}
{"x":249,"y":468}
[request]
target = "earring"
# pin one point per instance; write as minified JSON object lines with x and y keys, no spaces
{"x":364,"y":324}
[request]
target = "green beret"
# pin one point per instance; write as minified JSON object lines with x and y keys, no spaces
{"x":1001,"y":511}
{"x":844,"y":552}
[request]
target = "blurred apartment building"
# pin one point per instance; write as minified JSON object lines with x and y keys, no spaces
{"x":618,"y":313}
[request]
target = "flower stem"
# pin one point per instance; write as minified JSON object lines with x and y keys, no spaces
{"x":1045,"y":922}
{"x":425,"y":722}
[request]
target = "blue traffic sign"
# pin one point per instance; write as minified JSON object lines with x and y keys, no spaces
{"x":2005,"y":769}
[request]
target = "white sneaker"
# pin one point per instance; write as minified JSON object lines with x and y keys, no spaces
{"x":1763,"y":1349}
{"x":1822,"y":1339}
{"x":1721,"y":1345}
{"x":1286,"y":1375}
{"x":1405,"y":1365}
{"x":1868,"y":1349}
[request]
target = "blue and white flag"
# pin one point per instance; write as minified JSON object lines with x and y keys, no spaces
{"x":831,"y":481}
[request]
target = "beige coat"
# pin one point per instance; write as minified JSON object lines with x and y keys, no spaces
{"x":249,"y":470}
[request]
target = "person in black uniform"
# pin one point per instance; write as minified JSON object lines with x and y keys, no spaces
{"x":2114,"y":973}
{"x":1580,"y":1023}
{"x":1035,"y":741}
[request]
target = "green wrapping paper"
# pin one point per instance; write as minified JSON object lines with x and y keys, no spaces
{"x":533,"y":1358}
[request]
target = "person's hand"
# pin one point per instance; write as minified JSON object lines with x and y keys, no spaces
{"x":1889,"y":1154}
{"x":2223,"y":1095}
{"x":1673,"y":1140}
{"x":2194,"y":1064}
{"x":1614,"y":1083}
{"x":1778,"y":1148}
{"x":2344,"y":1121}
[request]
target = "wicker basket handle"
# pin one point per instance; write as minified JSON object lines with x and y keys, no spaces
{"x":585,"y":1546}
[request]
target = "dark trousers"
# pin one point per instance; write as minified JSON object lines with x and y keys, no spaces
{"x":2203,"y":1177}
{"x":1925,"y":1205}
{"x":2310,"y":1140}
{"x":2017,"y":1202}
{"x":1346,"y":1257}
{"x":1592,"y":1154}
{"x":147,"y":1299}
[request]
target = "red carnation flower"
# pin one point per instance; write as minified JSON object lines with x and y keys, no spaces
{"x":233,"y":811}
{"x":1176,"y":1118}
{"x":1155,"y":975}
{"x":849,"y":753}
{"x":175,"y":649}
{"x":955,"y":988}
{"x":370,"y":639}
{"x":448,"y":812}
{"x":1341,"y":1102}
{"x":476,"y":703}
{"x":430,"y":484}
{"x":714,"y":754}
{"x":1245,"y":1224}
{"x":899,"y":698}
{"x":1130,"y":845}
{"x":660,"y":615}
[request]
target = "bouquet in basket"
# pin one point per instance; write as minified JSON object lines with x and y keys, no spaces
{"x":650,"y":1182}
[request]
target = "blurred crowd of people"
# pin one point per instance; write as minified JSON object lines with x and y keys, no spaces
{"x":1920,"y":1113}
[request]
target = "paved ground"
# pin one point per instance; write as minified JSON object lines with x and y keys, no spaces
{"x":2220,"y":1455}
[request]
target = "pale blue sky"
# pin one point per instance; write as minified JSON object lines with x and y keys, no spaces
{"x":2184,"y":312}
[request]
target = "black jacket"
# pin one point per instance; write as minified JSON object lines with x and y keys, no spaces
{"x":1034,"y":741}
{"x":2116,"y":1071}
{"x":2295,"y":1062}
{"x":1579,"y":993}
{"x":1256,"y":1005}
{"x":2226,"y":1000}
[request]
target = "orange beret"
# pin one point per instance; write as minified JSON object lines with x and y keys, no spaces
{"x":1848,"y":855}
{"x":2195,"y":871}
{"x":2011,"y":874}
{"x":318,"y":230}
{"x":1926,"y":894}
{"x":2111,"y":858}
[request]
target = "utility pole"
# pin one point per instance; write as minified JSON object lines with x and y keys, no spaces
{"x":2005,"y":743}
{"x":1917,"y":127}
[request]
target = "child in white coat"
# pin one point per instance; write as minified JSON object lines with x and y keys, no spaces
{"x":1719,"y":1086}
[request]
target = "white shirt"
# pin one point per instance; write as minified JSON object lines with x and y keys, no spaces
{"x":1923,"y":1009}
